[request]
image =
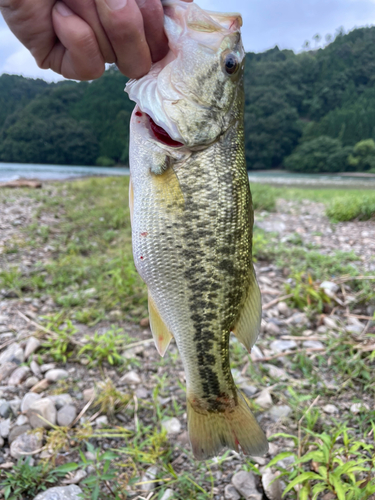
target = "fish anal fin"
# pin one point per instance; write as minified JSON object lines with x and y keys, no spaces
{"x":210,"y":432}
{"x":160,"y":332}
{"x":247,"y":326}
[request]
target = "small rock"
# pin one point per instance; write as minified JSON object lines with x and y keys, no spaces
{"x":6,"y":369}
{"x":131,"y":378}
{"x":2,"y":443}
{"x":245,"y":484}
{"x":148,"y":478}
{"x":42,"y":408}
{"x":35,"y":368}
{"x":264,"y":400}
{"x":359,"y":408}
{"x":276,"y":372}
{"x":144,"y":323}
{"x":256,"y":353}
{"x":283,"y":308}
{"x":88,"y":394}
{"x":330,"y":409}
{"x":286,"y":462}
{"x":56,"y":374}
{"x":273,"y":450}
{"x":357,"y":330}
{"x":32,"y":345}
{"x":282,"y":345}
{"x":41,"y":386}
{"x":315,"y":344}
{"x":72,"y":492}
{"x":272,"y":328}
{"x":183,"y":438}
{"x":18,"y":430}
{"x":249,"y":390}
{"x":230,"y":493}
{"x":18,"y":375}
{"x":271,"y":485}
{"x":330,"y":323}
{"x":141,"y":393}
{"x":21,"y":420}
{"x":272,"y":226}
{"x":30,"y":382}
{"x":5,"y":410}
{"x":5,"y":428}
{"x":101,"y":421}
{"x":329,"y":286}
{"x":25,"y":444}
{"x":298,"y":319}
{"x":47,"y":366}
{"x":61,"y":400}
{"x":172,"y":426}
{"x":168,"y":494}
{"x":66,"y":415}
{"x":28,"y":400}
{"x":78,"y":476}
{"x":13,"y":353}
{"x":278,"y":412}
{"x":15,"y":405}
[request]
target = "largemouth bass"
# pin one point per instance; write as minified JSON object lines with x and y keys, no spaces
{"x":192,"y":218}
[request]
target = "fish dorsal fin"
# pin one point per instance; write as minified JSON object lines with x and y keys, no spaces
{"x":160,"y":332}
{"x":247,"y":326}
{"x":131,"y":199}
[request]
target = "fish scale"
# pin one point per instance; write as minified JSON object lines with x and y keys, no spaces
{"x":192,"y":223}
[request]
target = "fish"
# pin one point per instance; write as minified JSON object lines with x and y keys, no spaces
{"x":192,"y":218}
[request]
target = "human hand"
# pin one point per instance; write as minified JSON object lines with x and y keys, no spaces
{"x":77,"y":37}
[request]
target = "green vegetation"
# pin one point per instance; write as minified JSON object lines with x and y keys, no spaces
{"x":305,"y":111}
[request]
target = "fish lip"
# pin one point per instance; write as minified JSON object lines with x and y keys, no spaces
{"x":158,"y":133}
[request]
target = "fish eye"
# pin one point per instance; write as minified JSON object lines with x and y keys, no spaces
{"x":231,"y":63}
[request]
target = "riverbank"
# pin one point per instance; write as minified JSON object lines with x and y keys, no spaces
{"x":76,"y":346}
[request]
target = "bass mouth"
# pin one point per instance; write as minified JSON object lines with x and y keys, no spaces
{"x":158,"y":132}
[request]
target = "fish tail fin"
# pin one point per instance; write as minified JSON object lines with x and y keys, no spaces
{"x":210,"y":432}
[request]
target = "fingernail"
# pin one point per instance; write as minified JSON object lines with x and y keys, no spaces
{"x":63,"y":9}
{"x":116,"y":4}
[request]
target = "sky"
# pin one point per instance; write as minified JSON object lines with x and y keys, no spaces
{"x":286,"y":23}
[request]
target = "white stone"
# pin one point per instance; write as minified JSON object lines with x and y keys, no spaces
{"x":56,"y":374}
{"x":30,"y":382}
{"x":278,"y":412}
{"x":256,"y":353}
{"x":28,"y":400}
{"x":5,"y":428}
{"x":168,"y":494}
{"x":172,"y":426}
{"x":101,"y":421}
{"x":42,"y":408}
{"x":46,"y":367}
{"x":272,"y":328}
{"x":32,"y":345}
{"x":35,"y":368}
{"x":131,"y":378}
{"x":271,"y":485}
{"x":149,"y":479}
{"x":330,"y":286}
{"x":66,"y":415}
{"x":264,"y":400}
{"x":88,"y":394}
{"x":282,"y":345}
{"x":22,"y":420}
{"x":330,"y":323}
{"x":13,"y":353}
{"x":330,"y":409}
{"x":72,"y":492}
{"x":315,"y":344}
{"x":245,"y":484}
{"x":18,"y":375}
{"x":283,"y":308}
{"x":276,"y":372}
{"x":359,"y":408}
{"x":25,"y":444}
{"x":61,"y":400}
{"x":230,"y":493}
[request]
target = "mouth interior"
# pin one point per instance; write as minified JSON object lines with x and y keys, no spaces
{"x":162,"y":136}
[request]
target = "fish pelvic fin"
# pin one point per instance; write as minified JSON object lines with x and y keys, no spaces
{"x":160,"y":332}
{"x":247,"y":326}
{"x":235,"y":427}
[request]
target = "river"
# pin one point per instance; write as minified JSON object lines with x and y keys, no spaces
{"x":13,"y":171}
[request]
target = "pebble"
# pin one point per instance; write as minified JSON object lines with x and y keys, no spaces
{"x":131,"y":378}
{"x":271,"y":485}
{"x":30,"y":382}
{"x":78,"y":476}
{"x":5,"y":428}
{"x":172,"y":426}
{"x":48,"y":366}
{"x":35,"y":368}
{"x":283,"y":308}
{"x":25,"y":444}
{"x":101,"y":421}
{"x":256,"y":353}
{"x":28,"y":400}
{"x":354,"y":329}
{"x":141,"y":393}
{"x":330,"y":409}
{"x":32,"y":345}
{"x":13,"y":353}
{"x":299,"y":319}
{"x":144,"y":323}
{"x":18,"y":430}
{"x":329,"y":286}
{"x":276,"y":372}
{"x":61,"y":400}
{"x":249,"y":390}
{"x":66,"y":415}
{"x":56,"y":374}
{"x":358,"y":408}
{"x":264,"y":400}
{"x":41,"y":386}
{"x":21,"y":420}
{"x":15,"y":405}
{"x":278,"y":412}
{"x":5,"y":410}
{"x":315,"y":344}
{"x":18,"y":375}
{"x":42,"y":408}
{"x":72,"y":492}
{"x":150,"y":475}
{"x":88,"y":394}
{"x":230,"y":493}
{"x":330,"y":323}
{"x":6,"y":369}
{"x":245,"y":484}
{"x":272,"y":328}
{"x":282,"y":345}
{"x":168,"y":494}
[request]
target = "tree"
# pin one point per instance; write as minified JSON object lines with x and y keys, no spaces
{"x":363,"y":157}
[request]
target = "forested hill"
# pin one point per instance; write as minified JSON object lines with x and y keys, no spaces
{"x":305,"y":111}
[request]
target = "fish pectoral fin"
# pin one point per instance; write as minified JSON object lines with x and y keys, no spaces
{"x":131,"y":200}
{"x":210,"y":432}
{"x":248,"y":324}
{"x":160,"y":332}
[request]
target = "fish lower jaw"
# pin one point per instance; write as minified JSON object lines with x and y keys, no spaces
{"x":156,"y":132}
